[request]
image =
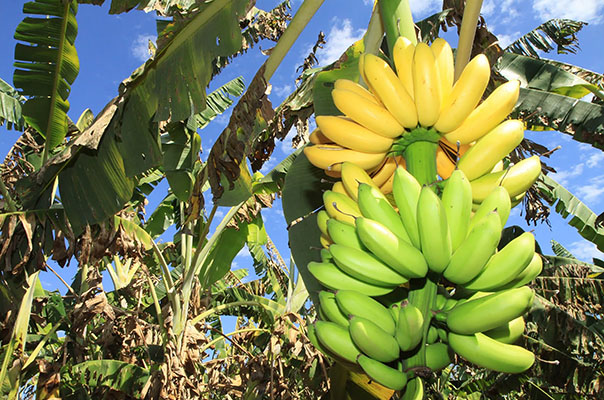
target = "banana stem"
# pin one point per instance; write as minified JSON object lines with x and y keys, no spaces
{"x":420,"y":157}
{"x":466,"y":35}
{"x":397,"y":20}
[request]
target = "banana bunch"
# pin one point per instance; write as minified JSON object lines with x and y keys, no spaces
{"x":374,"y":251}
{"x":416,"y":90}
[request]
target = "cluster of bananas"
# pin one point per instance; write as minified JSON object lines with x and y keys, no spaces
{"x":421,"y":94}
{"x":373,"y":252}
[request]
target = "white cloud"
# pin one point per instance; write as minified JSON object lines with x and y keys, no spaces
{"x":592,"y":192}
{"x":595,"y":159}
{"x":563,"y":176}
{"x":140,"y":47}
{"x":506,"y":40}
{"x":590,"y":11}
{"x":339,"y":38}
{"x":488,"y":7}
{"x":585,"y":251}
{"x":423,"y":8}
{"x":283,"y":91}
{"x":368,"y":2}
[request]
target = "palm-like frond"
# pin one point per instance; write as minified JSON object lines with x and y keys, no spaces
{"x":47,"y":65}
{"x":561,"y":33}
{"x":561,"y":251}
{"x":10,"y":106}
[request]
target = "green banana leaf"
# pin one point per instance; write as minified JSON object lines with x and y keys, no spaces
{"x":47,"y":66}
{"x":10,"y":107}
{"x":565,"y":204}
{"x":559,"y":32}
{"x":594,"y":78}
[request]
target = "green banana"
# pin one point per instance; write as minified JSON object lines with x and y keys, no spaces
{"x":498,"y":200}
{"x":341,"y":207}
{"x":334,"y":278}
{"x":409,"y":330}
{"x":432,"y":335}
{"x":414,"y":390}
{"x":381,"y":373}
{"x":490,"y":311}
{"x":406,"y":190}
{"x":364,"y":266}
{"x":326,"y":256}
{"x":441,"y":300}
{"x":327,"y":302}
{"x":394,"y":311}
{"x":433,"y":230}
{"x":476,"y":250}
{"x":399,"y":255}
{"x":361,"y":305}
{"x":344,"y":234}
{"x":505,"y":265}
{"x":457,"y":201}
{"x":438,"y":356}
{"x":322,"y":218}
{"x":508,"y":333}
{"x":374,"y":205}
{"x":442,"y":334}
{"x":373,"y":340}
{"x":337,"y":340}
{"x":528,"y":274}
{"x":490,"y":353}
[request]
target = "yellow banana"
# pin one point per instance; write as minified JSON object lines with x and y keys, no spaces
{"x":487,"y":115}
{"x":446,"y":156}
{"x":322,"y":218}
{"x":387,"y":186}
{"x":347,"y":84}
{"x":330,"y":157}
{"x":425,"y":85}
{"x":352,"y":177}
{"x":381,"y":176}
{"x":390,"y":90}
{"x":491,"y":148}
{"x":317,"y":137}
{"x":367,"y":113}
{"x":517,"y":179}
{"x":347,"y":133}
{"x":341,"y":207}
{"x":465,"y":95}
{"x":402,"y":55}
{"x":444,"y":67}
{"x":338,"y":187}
{"x":325,"y":241}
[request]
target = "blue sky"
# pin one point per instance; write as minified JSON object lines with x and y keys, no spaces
{"x":110,"y":47}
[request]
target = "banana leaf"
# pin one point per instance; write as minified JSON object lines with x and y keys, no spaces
{"x":566,"y":204}
{"x":559,"y":32}
{"x":47,"y":64}
{"x":10,"y":107}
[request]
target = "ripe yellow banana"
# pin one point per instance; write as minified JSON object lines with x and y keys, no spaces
{"x":352,"y":177}
{"x":425,"y":85}
{"x":444,"y":164}
{"x":317,"y":137}
{"x":365,"y":112}
{"x":491,"y":148}
{"x":347,"y":84}
{"x":322,"y":218}
{"x":381,"y":176}
{"x":487,"y":115}
{"x":444,"y":66}
{"x":465,"y":95}
{"x":517,"y":179}
{"x":390,"y":90}
{"x":341,"y":207}
{"x":387,"y":186}
{"x":330,"y":157}
{"x":347,"y":133}
{"x":402,"y":55}
{"x":338,"y":187}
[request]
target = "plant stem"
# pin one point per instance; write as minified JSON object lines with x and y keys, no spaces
{"x":397,"y":20}
{"x":420,"y":158}
{"x":466,"y":35}
{"x":8,"y":200}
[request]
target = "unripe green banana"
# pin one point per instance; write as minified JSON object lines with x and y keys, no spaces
{"x":326,"y":256}
{"x":441,"y":300}
{"x":414,"y":390}
{"x":505,"y":265}
{"x":322,"y":218}
{"x":474,"y":253}
{"x":365,"y":267}
{"x":361,"y":305}
{"x":394,"y":312}
{"x":311,"y":332}
{"x":374,"y":205}
{"x":334,"y":278}
{"x":489,"y":353}
{"x":327,"y":302}
{"x":442,"y":335}
{"x":383,"y":374}
{"x":528,"y":274}
{"x":508,"y":333}
{"x":490,"y":311}
{"x":457,"y":201}
{"x":341,"y":207}
{"x":399,"y":255}
{"x":344,"y":234}
{"x":432,"y":335}
{"x":409,"y":330}
{"x":406,"y":190}
{"x":450,"y":304}
{"x":433,"y":230}
{"x":498,"y":200}
{"x":337,"y":340}
{"x":438,"y":356}
{"x":373,"y":340}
